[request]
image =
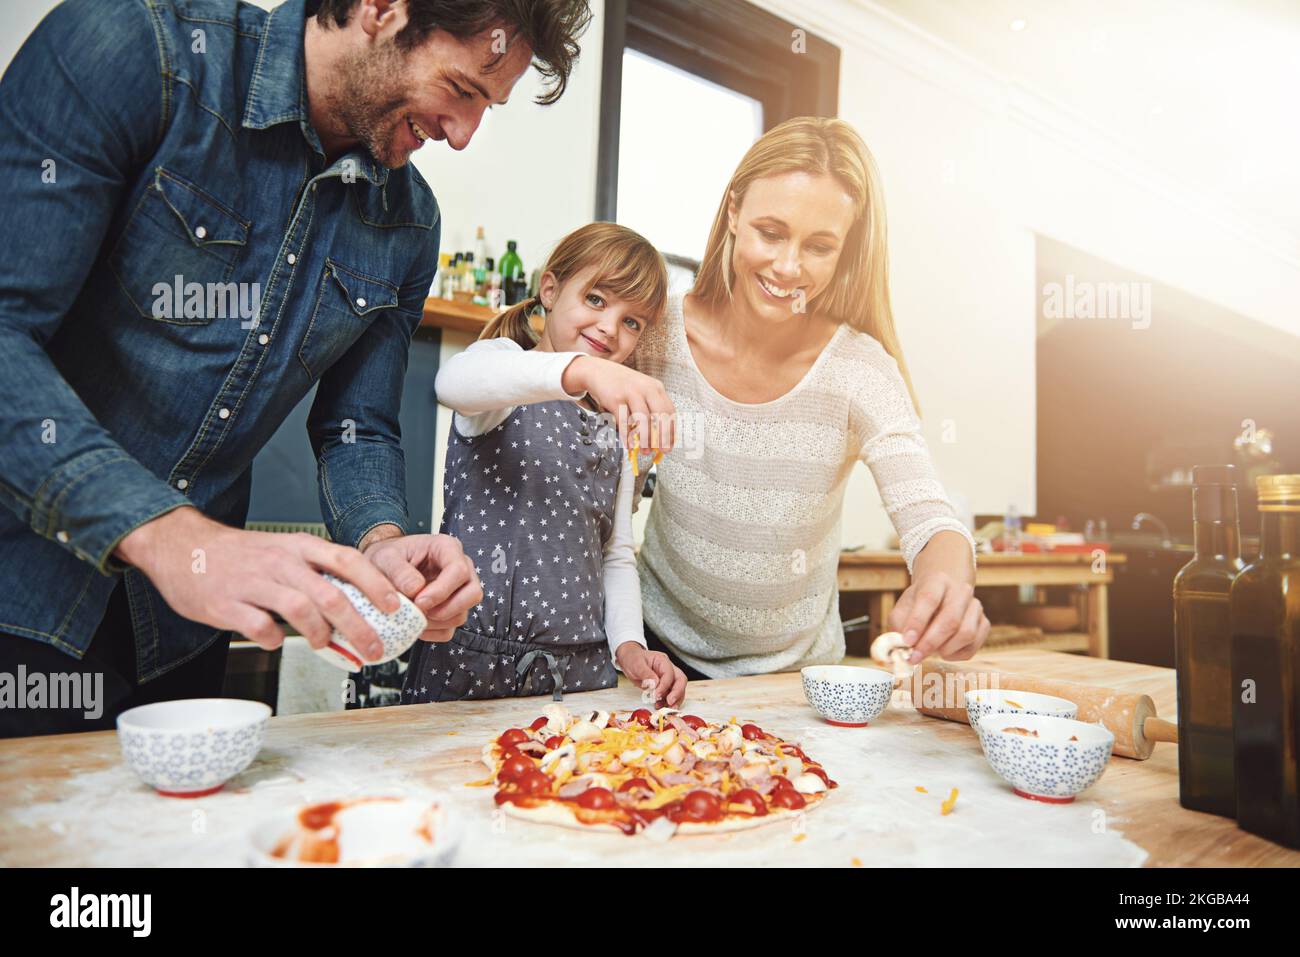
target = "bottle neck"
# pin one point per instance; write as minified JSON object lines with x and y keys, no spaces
{"x":1279,"y":531}
{"x":1214,"y":517}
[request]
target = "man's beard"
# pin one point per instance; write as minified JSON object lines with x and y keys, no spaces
{"x":363,"y":107}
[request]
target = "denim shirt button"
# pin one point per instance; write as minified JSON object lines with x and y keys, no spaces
{"x":263,"y":339}
{"x":224,"y":414}
{"x":291,"y":258}
{"x":361,"y":304}
{"x":200,"y":232}
{"x":62,"y":536}
{"x":183,"y":484}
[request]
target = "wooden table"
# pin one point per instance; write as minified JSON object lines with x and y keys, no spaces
{"x":883,"y":576}
{"x":69,"y":800}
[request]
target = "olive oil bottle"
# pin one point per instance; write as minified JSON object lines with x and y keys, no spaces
{"x":1265,"y":603}
{"x":1203,"y":645}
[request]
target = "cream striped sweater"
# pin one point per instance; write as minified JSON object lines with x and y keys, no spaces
{"x":738,"y":566}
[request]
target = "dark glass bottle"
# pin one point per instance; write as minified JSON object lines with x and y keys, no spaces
{"x":1203,"y":645}
{"x":1265,"y":604}
{"x":513,"y":280}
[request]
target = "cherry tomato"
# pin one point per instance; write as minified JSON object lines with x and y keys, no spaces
{"x":694,"y":722}
{"x":788,"y":798}
{"x":535,"y":782}
{"x":780,"y":783}
{"x":795,"y":750}
{"x":698,"y":806}
{"x":636,"y":784}
{"x":752,"y":798}
{"x":538,"y":724}
{"x":515,"y":767}
{"x":596,"y":799}
{"x":512,"y":737}
{"x":554,"y":741}
{"x":641,"y":716}
{"x":752,"y":732}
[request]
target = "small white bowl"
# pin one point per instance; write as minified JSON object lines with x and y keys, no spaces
{"x":385,"y":833}
{"x":397,"y":631}
{"x":1065,"y":758}
{"x":846,"y":696}
{"x":982,"y":701}
{"x":192,"y":747}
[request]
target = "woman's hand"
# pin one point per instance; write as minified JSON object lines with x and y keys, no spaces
{"x":652,"y":670}
{"x":939,"y":613}
{"x":640,"y":401}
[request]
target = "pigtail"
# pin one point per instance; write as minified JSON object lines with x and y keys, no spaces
{"x":515,"y":323}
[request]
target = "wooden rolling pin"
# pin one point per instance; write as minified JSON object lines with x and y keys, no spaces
{"x":1130,"y":717}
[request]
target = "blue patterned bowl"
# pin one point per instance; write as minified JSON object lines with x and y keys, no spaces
{"x":397,"y":631}
{"x":192,"y":747}
{"x":845,"y":695}
{"x":1054,"y":761}
{"x":982,"y":701}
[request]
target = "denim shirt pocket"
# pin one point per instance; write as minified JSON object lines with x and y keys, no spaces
{"x":346,"y":302}
{"x":178,"y":235}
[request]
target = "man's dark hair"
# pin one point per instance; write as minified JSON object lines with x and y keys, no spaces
{"x":551,"y":29}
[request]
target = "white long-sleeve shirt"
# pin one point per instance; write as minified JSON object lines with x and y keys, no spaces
{"x":482,"y":386}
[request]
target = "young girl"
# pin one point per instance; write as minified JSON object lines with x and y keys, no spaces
{"x":539,"y":491}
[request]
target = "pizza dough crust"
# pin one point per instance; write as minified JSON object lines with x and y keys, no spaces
{"x":561,"y":816}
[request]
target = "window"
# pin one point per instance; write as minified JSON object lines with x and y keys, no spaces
{"x":681,"y":138}
{"x":687,"y":86}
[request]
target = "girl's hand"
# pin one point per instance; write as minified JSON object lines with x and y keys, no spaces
{"x":652,"y":671}
{"x":939,"y":612}
{"x":640,"y":401}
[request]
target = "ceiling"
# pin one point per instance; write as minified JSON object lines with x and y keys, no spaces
{"x":1206,"y":90}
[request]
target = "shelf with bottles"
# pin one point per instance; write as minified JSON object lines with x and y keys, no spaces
{"x":472,"y":277}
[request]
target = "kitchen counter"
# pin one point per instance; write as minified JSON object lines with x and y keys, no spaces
{"x":69,"y":800}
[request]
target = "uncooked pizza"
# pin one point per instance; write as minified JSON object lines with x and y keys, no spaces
{"x":661,"y":772}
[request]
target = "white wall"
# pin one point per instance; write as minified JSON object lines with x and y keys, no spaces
{"x":973,"y":165}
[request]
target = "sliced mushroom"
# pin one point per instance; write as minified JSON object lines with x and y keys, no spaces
{"x":890,"y":649}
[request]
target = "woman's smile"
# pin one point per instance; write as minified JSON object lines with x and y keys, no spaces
{"x":774,"y":290}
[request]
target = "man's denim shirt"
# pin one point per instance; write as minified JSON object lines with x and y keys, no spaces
{"x":147,"y":146}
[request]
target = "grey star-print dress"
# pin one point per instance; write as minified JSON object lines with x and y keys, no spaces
{"x":532,"y":503}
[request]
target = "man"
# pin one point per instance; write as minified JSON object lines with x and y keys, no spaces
{"x":209,"y":209}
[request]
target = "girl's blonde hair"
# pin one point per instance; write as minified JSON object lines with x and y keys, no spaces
{"x":859,"y":292}
{"x":626,"y":264}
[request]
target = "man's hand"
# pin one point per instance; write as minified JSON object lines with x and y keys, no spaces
{"x":939,"y":613}
{"x":235,"y":579}
{"x":431,"y":570}
{"x":652,"y":670}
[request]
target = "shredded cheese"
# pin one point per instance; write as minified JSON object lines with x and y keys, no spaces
{"x":946,"y":808}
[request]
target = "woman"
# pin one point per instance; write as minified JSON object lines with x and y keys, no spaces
{"x":785,"y":369}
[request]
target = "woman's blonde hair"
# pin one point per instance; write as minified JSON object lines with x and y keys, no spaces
{"x":859,"y":292}
{"x":626,"y":265}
